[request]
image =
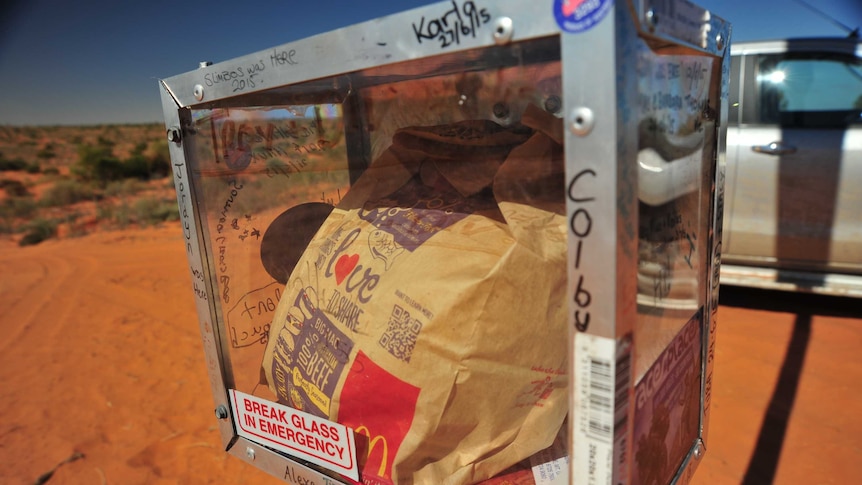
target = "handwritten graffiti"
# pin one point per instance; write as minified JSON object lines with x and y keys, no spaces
{"x":581,"y":225}
{"x":449,"y":28}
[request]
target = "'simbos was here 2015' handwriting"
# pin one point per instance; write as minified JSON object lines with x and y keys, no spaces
{"x":249,"y":76}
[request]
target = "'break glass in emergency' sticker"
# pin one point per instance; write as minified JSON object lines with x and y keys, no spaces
{"x":291,"y":431}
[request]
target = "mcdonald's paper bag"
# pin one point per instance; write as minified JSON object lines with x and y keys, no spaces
{"x":428,"y":315}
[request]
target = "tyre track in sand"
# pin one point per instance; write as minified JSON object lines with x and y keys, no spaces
{"x":93,"y":328}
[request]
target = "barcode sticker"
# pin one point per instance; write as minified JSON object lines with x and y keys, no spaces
{"x":601,"y":398}
{"x":602,"y":381}
{"x":551,"y":465}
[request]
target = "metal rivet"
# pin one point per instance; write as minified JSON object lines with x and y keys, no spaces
{"x":249,"y":452}
{"x":503,"y":30}
{"x":553,"y":104}
{"x":719,"y":42}
{"x":221,"y":412}
{"x":198,"y":92}
{"x":501,"y":110}
{"x":698,"y":450}
{"x":174,"y":135}
{"x":651,"y":19}
{"x":582,"y":121}
{"x":204,"y":64}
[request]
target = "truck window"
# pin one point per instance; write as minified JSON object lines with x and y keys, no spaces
{"x":808,"y":91}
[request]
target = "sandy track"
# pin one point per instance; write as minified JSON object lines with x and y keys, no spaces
{"x":101,"y":356}
{"x":102,"y":371}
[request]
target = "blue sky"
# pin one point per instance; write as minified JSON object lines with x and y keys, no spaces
{"x":99,"y":61}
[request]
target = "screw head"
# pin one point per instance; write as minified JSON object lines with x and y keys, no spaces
{"x":221,"y":412}
{"x":249,"y":452}
{"x":198,"y":91}
{"x":582,"y":121}
{"x":203,"y":64}
{"x":698,"y":450}
{"x":503,"y":30}
{"x":719,"y":42}
{"x":174,"y":135}
{"x":651,"y":19}
{"x":553,"y":104}
{"x":501,"y":110}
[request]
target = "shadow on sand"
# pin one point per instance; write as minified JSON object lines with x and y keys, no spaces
{"x":767,"y":452}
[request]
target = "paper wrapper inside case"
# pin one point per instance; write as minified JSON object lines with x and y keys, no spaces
{"x":428,"y":311}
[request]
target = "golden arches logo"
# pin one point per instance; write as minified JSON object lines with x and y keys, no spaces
{"x":372,"y":442}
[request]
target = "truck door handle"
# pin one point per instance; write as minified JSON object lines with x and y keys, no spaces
{"x":774,"y":148}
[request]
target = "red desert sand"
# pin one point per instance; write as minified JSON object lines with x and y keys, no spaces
{"x":103,"y":375}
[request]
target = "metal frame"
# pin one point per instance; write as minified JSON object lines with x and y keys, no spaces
{"x":593,"y":90}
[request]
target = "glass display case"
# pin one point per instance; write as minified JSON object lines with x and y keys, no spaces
{"x":474,"y":242}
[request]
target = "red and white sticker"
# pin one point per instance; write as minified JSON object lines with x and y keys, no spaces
{"x":296,"y":433}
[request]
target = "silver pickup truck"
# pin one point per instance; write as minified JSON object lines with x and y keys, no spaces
{"x":793,"y":206}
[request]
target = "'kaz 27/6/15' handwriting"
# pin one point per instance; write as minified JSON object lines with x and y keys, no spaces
{"x":448,"y":29}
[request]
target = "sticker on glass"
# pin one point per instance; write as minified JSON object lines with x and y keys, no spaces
{"x":580,"y":15}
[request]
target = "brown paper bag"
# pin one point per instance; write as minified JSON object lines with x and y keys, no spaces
{"x":428,"y":316}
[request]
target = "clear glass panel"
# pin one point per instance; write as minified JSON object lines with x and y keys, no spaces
{"x":810,"y":91}
{"x":390,"y":252}
{"x":678,"y":111}
{"x":259,"y":172}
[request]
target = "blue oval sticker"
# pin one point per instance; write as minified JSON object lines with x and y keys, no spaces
{"x":580,"y":15}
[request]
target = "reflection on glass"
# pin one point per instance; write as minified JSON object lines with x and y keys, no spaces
{"x":385,"y":298}
{"x":252,"y":167}
{"x":675,"y":159}
{"x":810,"y":91}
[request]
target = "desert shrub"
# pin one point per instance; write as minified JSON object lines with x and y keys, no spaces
{"x":18,"y":208}
{"x":124,"y":188}
{"x":33,"y":168}
{"x":67,"y":192}
{"x":12,"y":164}
{"x":152,"y":211}
{"x":149,"y":162}
{"x":14,"y":188}
{"x":51,"y":171}
{"x":105,"y":142}
{"x":37,"y":231}
{"x":159,"y":156}
{"x":47,"y":152}
{"x":119,"y":214}
{"x":105,"y":210}
{"x":137,"y":166}
{"x":97,"y":164}
{"x":139,"y":148}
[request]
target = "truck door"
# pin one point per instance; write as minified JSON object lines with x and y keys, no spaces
{"x":795,"y":163}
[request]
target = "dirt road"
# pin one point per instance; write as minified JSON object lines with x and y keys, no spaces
{"x":103,"y":378}
{"x":787,"y":391}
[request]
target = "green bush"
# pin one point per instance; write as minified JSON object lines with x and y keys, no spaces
{"x":97,"y":164}
{"x":153,"y":211}
{"x":37,"y":231}
{"x":33,"y":168}
{"x":137,"y":166}
{"x":119,"y":214}
{"x":12,"y":165}
{"x":67,"y":192}
{"x":18,"y":208}
{"x":159,"y":157}
{"x":14,"y":188}
{"x":124,"y":188}
{"x":47,"y":152}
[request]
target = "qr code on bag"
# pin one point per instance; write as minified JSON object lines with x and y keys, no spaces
{"x":401,"y":334}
